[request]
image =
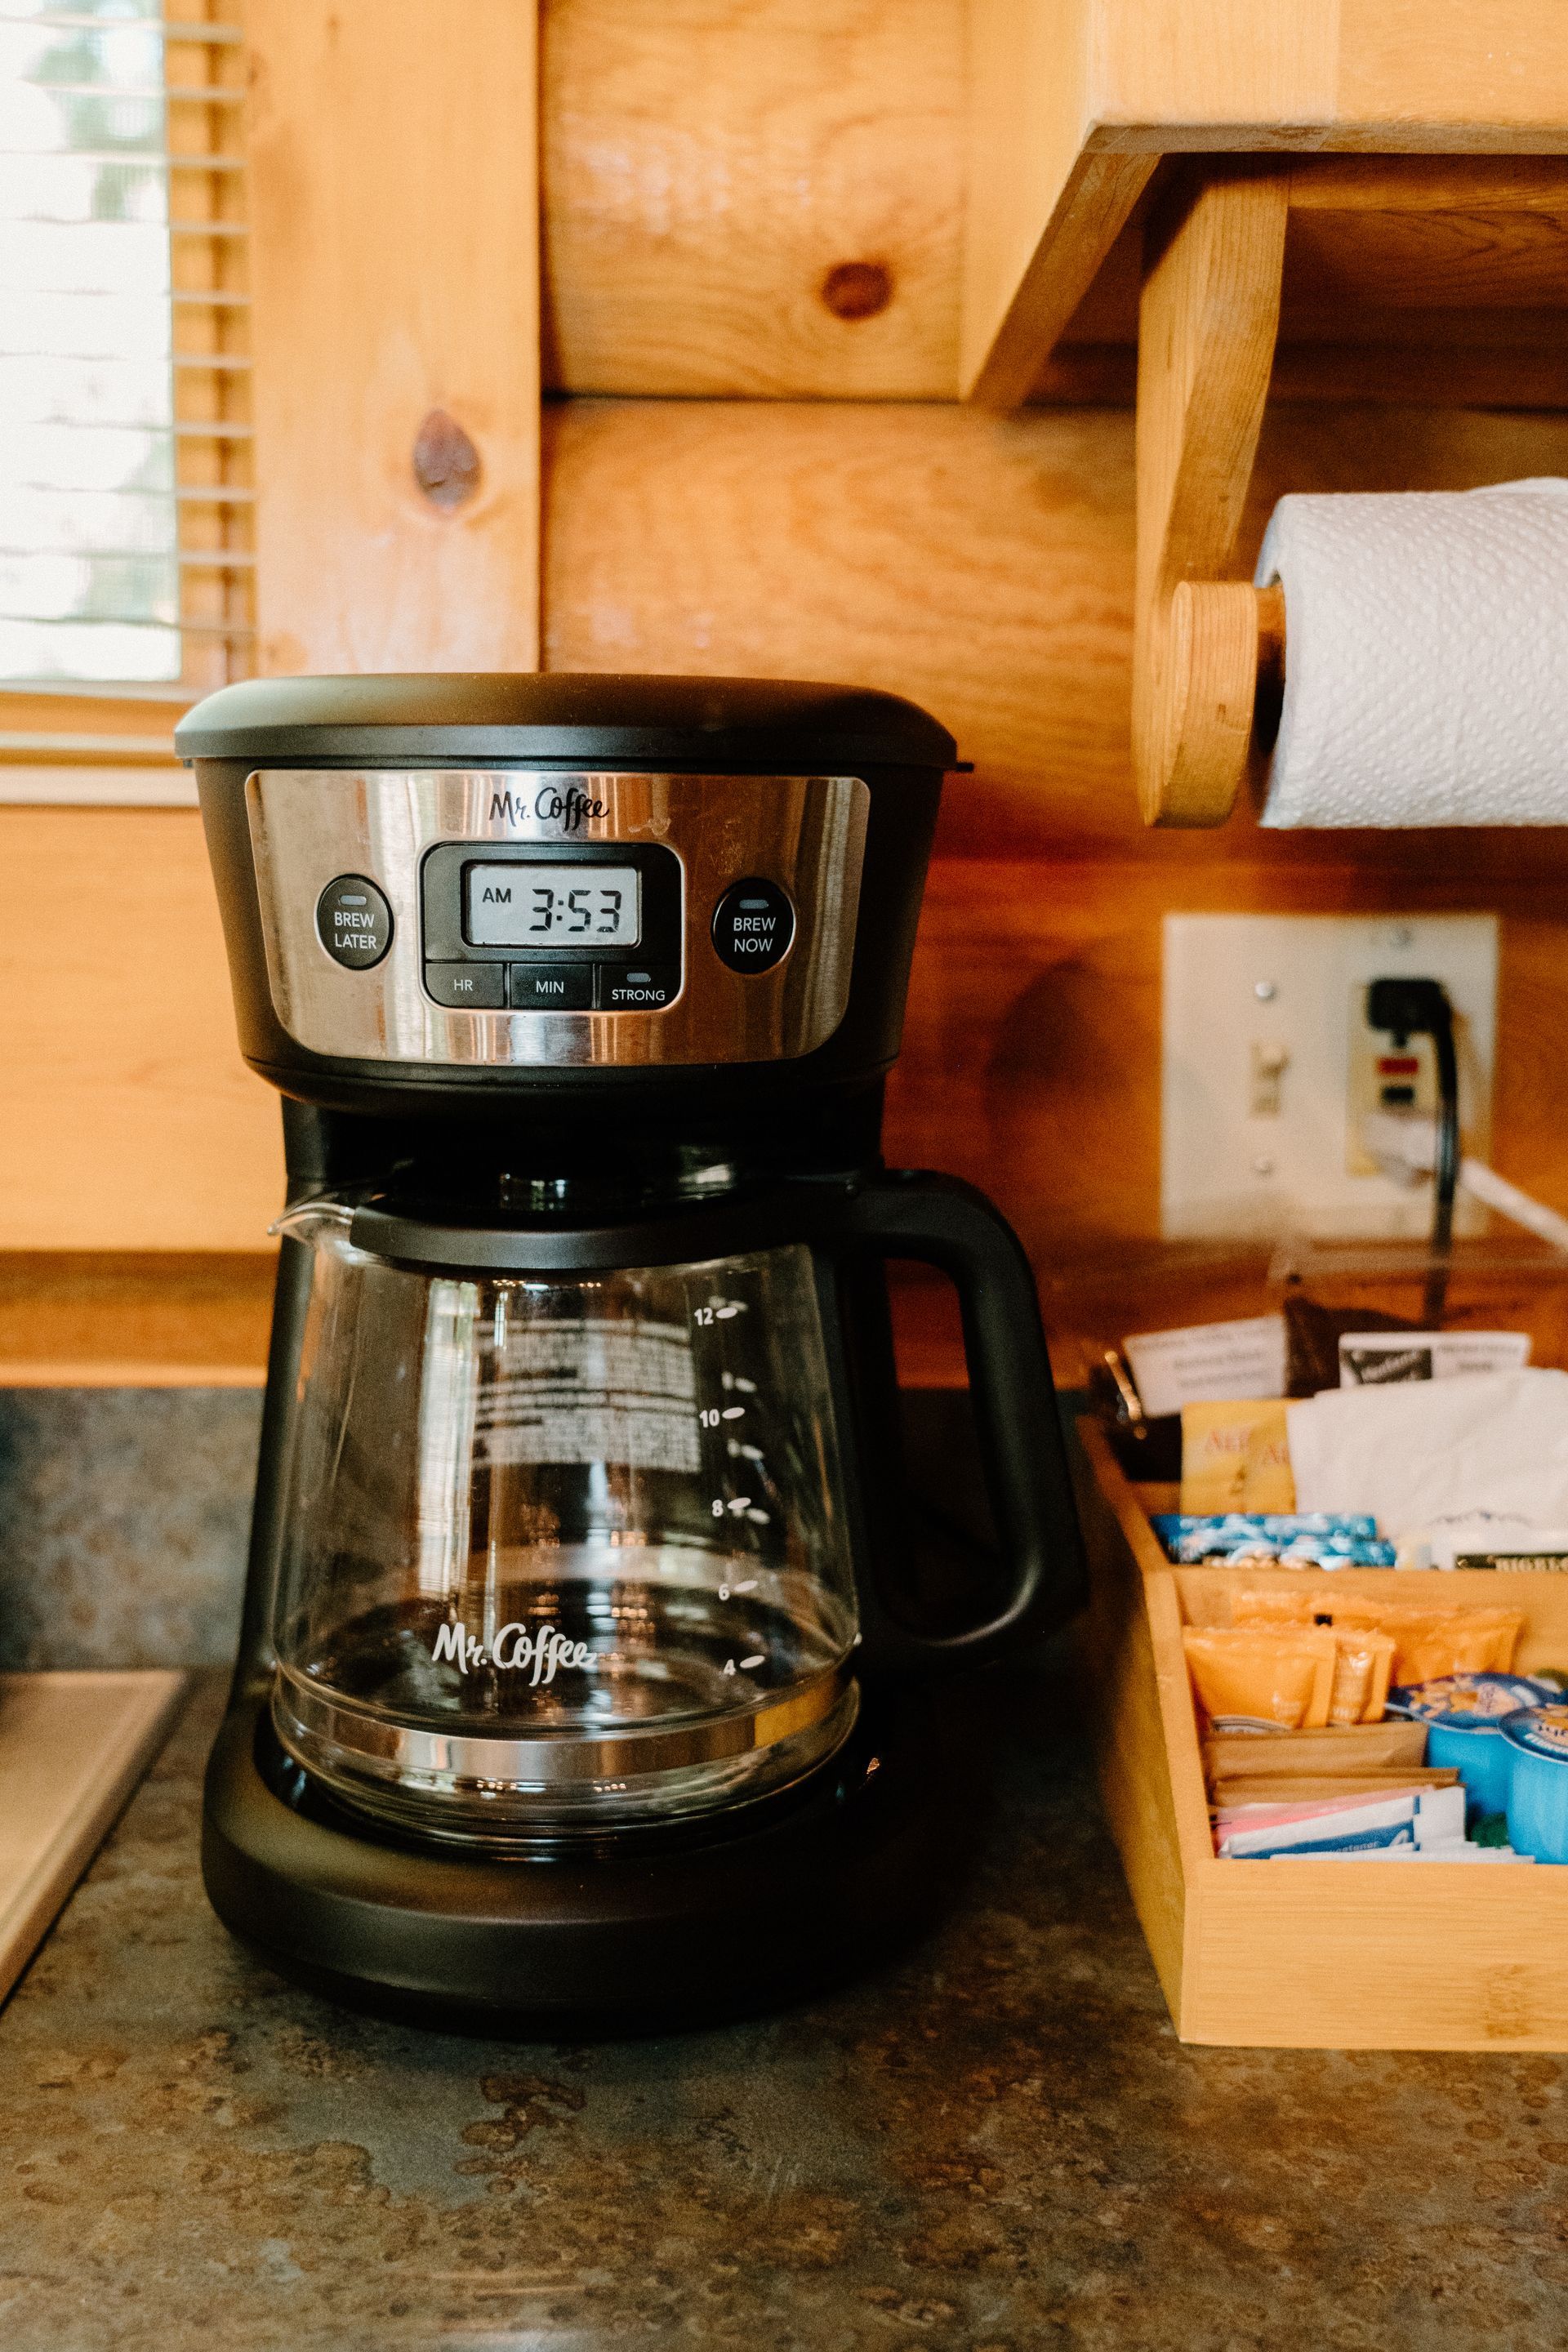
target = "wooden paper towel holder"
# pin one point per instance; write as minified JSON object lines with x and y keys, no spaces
{"x":1208,"y":653}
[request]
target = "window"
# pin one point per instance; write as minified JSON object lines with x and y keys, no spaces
{"x":124,"y":441}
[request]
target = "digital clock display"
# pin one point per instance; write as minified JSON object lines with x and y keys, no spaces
{"x":538,"y":906}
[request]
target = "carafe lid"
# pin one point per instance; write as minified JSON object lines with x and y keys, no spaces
{"x":711,"y":726}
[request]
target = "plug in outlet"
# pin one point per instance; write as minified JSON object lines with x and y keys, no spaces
{"x":1271,"y":1068}
{"x":1387,"y":1074}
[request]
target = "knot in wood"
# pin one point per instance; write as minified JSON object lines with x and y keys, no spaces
{"x":446,"y":462}
{"x":858,"y":289}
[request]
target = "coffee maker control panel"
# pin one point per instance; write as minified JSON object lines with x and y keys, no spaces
{"x":531,"y":920}
{"x":551,"y":928}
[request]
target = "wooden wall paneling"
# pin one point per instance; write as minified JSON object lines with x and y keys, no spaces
{"x":1031,"y":1056}
{"x":752,"y":196}
{"x":705,"y":175}
{"x":131,"y":1122}
{"x":394,"y":200}
{"x":1030,"y":1064}
{"x":983,"y":565}
{"x":980,"y":564}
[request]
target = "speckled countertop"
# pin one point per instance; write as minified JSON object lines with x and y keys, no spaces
{"x":998,"y":2143}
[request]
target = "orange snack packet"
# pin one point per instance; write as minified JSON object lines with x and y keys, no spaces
{"x":1246,"y":1675}
{"x":1237,"y":1457}
{"x":1427,"y":1641}
{"x":1471,"y":1641}
{"x":1361,"y":1673}
{"x":1292,"y":1604}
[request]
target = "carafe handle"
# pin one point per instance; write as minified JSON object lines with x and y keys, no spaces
{"x":942,"y":1222}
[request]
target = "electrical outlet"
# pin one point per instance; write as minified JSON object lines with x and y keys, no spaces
{"x":1393,"y":1074}
{"x":1270,"y":1067}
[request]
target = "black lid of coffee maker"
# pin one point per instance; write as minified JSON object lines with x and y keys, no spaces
{"x":714,"y":726}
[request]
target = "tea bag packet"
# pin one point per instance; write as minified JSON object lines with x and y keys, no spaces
{"x":1236,"y":1457}
{"x":1393,"y":1746}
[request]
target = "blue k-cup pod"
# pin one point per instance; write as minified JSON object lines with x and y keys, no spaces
{"x":1535,"y":1741}
{"x":1464,"y":1714}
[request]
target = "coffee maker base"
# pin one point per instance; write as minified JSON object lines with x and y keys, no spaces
{"x":608,"y":1940}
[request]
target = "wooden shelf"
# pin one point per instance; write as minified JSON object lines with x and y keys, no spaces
{"x":73,"y":1319}
{"x":1156,"y":144}
{"x":1076,"y":102}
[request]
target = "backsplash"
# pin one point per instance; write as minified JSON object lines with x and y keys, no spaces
{"x":124,"y":1515}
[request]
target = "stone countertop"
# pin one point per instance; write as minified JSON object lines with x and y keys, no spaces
{"x":998,"y":2144}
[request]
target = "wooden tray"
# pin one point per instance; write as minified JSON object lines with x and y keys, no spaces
{"x":1301,"y":1955}
{"x":72,"y":1747}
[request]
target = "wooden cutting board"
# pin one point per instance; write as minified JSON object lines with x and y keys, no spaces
{"x":72,"y":1747}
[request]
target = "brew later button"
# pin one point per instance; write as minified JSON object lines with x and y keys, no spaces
{"x":354,"y":923}
{"x":753,"y":926}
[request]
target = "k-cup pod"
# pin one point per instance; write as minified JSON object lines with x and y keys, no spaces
{"x":1535,"y":1741}
{"x":1464,"y":1714}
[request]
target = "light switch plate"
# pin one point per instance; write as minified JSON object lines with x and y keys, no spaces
{"x":1243,"y":991}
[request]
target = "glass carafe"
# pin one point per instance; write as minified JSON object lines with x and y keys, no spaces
{"x":561,"y":1549}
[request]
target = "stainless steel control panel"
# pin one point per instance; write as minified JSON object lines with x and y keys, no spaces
{"x":525,"y":918}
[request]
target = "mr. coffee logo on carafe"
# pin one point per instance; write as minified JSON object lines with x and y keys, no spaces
{"x":514,"y":1650}
{"x":570,"y":809}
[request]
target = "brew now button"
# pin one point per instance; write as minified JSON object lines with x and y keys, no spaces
{"x":354,"y":923}
{"x":753,"y":926}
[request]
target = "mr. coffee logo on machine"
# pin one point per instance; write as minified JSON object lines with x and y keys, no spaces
{"x":570,"y":809}
{"x":513,"y":1649}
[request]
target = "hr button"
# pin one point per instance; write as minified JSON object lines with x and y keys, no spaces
{"x":473,"y":987}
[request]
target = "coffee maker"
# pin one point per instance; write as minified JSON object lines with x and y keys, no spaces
{"x":585,"y":1673}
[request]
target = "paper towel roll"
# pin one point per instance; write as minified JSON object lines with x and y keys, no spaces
{"x":1426,"y":658}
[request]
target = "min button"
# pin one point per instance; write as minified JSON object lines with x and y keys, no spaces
{"x":552,"y":987}
{"x":753,"y":926}
{"x":354,"y":923}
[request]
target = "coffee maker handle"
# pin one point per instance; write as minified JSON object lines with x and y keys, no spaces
{"x":942,"y":1222}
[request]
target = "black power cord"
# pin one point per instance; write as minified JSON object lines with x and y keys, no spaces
{"x":1420,"y":1008}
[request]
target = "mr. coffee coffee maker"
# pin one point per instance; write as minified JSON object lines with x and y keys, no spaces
{"x":583,"y":1675}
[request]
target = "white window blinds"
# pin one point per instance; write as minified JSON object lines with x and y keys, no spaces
{"x":124,"y":442}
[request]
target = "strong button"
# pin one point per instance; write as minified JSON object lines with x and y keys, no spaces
{"x":354,"y":923}
{"x":753,"y":926}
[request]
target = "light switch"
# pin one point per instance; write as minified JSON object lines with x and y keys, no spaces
{"x":1270,"y":1061}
